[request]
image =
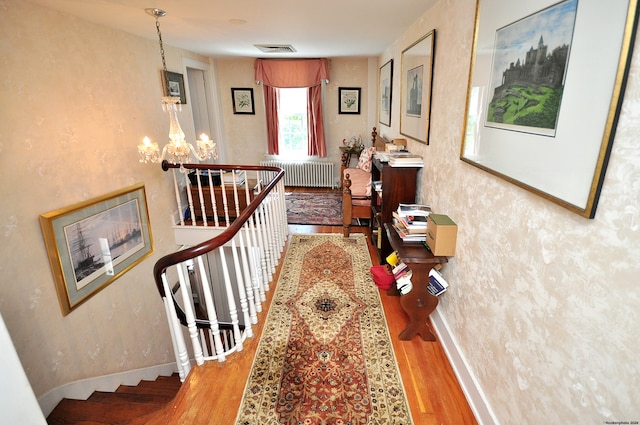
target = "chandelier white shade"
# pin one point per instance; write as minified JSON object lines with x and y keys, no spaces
{"x":177,"y":150}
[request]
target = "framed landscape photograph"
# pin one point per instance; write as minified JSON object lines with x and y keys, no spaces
{"x":416,"y":82}
{"x":349,"y":100}
{"x":384,"y":91}
{"x":242,"y":101}
{"x":543,"y":101}
{"x":93,"y":243}
{"x":175,"y":83}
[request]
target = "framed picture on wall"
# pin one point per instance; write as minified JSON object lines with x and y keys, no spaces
{"x":545,"y":92}
{"x":349,"y":100}
{"x":93,"y":243}
{"x":175,"y":84}
{"x":242,"y":101}
{"x":415,"y":84}
{"x":384,"y":91}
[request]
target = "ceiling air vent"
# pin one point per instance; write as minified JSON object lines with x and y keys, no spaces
{"x":275,"y":48}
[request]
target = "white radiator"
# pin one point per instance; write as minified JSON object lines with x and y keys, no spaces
{"x":305,"y":174}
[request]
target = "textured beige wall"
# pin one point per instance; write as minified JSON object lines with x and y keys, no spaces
{"x":77,"y":99}
{"x":544,"y":303}
{"x":245,"y":135}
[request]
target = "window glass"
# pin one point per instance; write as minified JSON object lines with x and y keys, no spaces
{"x":292,"y":122}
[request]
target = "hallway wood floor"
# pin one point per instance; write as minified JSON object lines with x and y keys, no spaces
{"x":212,"y":393}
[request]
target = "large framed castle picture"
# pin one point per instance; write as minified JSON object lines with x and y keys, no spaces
{"x":545,"y":91}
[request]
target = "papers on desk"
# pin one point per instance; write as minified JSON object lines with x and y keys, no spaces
{"x":381,"y":156}
{"x":405,"y":159}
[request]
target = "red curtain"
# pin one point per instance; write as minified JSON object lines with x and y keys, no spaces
{"x":285,"y":73}
{"x":317,"y":145}
{"x":271,"y":105}
{"x":281,"y":73}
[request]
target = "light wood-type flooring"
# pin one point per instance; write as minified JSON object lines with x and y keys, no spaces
{"x":212,"y":393}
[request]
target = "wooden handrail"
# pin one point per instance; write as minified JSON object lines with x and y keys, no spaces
{"x":207,"y":246}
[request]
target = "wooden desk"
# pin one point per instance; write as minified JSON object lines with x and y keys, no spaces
{"x":419,"y":303}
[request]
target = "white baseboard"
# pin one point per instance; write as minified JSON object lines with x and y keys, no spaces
{"x":475,"y":396}
{"x":81,"y":390}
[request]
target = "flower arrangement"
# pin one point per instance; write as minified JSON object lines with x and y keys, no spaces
{"x":354,"y":144}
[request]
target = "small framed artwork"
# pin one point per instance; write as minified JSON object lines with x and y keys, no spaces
{"x":542,"y":105}
{"x":349,"y":100}
{"x":416,"y":82}
{"x":175,"y":85}
{"x":384,"y":91}
{"x":242,"y":101}
{"x":93,"y":243}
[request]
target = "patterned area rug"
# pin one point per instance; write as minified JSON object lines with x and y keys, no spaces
{"x":322,"y":208}
{"x":325,"y":356}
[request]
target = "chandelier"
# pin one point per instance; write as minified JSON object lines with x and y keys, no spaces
{"x":178,"y":150}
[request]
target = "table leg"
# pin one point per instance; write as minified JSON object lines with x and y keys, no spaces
{"x":418,"y":304}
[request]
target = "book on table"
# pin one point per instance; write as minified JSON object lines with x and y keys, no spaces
{"x":437,"y":284}
{"x":413,"y":210}
{"x":409,"y":237}
{"x":410,"y":224}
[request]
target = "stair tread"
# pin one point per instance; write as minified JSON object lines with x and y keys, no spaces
{"x":74,"y":411}
{"x":125,"y":404}
{"x":167,"y":386}
{"x":141,"y":398}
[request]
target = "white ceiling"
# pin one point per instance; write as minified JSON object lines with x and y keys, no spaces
{"x":315,"y":28}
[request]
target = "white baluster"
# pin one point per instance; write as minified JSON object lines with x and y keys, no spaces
{"x":233,"y":310}
{"x":175,"y":328}
{"x":211,"y":310}
{"x":187,"y":300}
{"x":178,"y":202}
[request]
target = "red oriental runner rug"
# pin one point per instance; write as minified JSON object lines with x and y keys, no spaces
{"x":325,"y":356}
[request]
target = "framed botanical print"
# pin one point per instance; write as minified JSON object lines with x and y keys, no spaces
{"x":349,"y":100}
{"x":242,"y":101}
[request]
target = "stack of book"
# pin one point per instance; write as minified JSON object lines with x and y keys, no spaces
{"x":437,"y":284}
{"x":405,"y":159}
{"x":402,"y":274}
{"x":410,"y":221}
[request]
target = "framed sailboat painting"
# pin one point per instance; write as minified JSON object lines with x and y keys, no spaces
{"x":93,"y":243}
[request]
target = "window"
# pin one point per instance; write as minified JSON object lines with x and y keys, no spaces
{"x":293,"y":133}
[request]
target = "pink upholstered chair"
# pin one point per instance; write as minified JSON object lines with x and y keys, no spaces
{"x":356,"y":186}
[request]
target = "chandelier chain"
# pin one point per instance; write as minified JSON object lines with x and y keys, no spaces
{"x":178,"y":150}
{"x":165,"y":76}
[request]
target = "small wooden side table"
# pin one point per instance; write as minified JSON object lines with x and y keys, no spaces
{"x":348,"y":153}
{"x":419,"y":303}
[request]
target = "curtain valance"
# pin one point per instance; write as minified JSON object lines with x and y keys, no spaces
{"x":286,"y":73}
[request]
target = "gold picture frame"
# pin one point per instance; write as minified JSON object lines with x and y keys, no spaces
{"x":92,"y":243}
{"x":549,"y":131}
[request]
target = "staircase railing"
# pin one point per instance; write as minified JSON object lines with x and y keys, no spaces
{"x":213,"y":289}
